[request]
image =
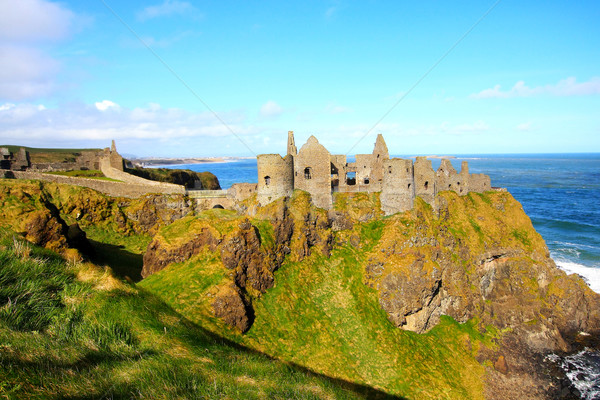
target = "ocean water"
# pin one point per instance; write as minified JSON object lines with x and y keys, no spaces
{"x":559,"y":192}
{"x":561,"y":195}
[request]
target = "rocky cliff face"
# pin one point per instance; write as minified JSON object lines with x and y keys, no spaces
{"x":53,"y":215}
{"x":477,"y":256}
{"x":474,"y":257}
{"x":291,"y":228}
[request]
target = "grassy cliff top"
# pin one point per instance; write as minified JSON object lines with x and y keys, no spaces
{"x":72,"y":330}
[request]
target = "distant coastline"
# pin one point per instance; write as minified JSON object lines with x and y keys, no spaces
{"x":166,"y":161}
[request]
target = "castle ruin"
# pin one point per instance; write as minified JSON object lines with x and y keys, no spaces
{"x":316,"y":171}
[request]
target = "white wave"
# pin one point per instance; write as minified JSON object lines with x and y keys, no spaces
{"x":591,"y":275}
{"x":583,"y":370}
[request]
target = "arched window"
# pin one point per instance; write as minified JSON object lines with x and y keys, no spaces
{"x":426,"y":185}
{"x":366,"y":181}
{"x":267,"y":180}
{"x":409,"y":185}
{"x":307,"y":174}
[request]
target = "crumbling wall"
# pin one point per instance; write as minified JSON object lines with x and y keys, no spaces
{"x":338,"y":172}
{"x":424,"y":177}
{"x":398,"y":191}
{"x":364,"y":172}
{"x":242,"y":191}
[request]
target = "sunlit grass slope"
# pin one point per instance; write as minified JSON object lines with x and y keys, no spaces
{"x":322,"y":316}
{"x":72,"y":330}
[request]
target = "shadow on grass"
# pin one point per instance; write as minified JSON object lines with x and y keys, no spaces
{"x":122,"y":262}
{"x":199,"y":340}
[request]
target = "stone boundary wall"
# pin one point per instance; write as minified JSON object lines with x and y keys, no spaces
{"x":206,"y":194}
{"x":115,"y":189}
{"x":114,"y":173}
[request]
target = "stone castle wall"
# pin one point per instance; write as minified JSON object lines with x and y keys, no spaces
{"x":312,"y":172}
{"x":275,"y":177}
{"x":398,"y":190}
{"x":400,"y":181}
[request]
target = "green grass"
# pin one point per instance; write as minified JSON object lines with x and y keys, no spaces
{"x":320,"y":315}
{"x":85,"y":334}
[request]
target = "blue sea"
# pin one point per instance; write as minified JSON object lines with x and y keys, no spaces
{"x":559,"y":192}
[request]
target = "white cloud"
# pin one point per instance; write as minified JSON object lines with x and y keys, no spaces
{"x":26,"y":73}
{"x":31,"y":123}
{"x":333,"y":108}
{"x":105,"y":105}
{"x":465,"y":128}
{"x":565,"y":87}
{"x":166,"y":8}
{"x":270,"y":109}
{"x":27,"y":70}
{"x":34,"y":20}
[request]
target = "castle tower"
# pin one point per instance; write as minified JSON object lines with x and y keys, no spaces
{"x":275,"y":177}
{"x":116,"y":161}
{"x":380,"y":155}
{"x":291,"y":145}
{"x":312,"y":172}
{"x":398,"y":190}
{"x":424,"y":180}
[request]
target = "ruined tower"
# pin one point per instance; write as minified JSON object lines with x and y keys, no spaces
{"x":291,"y":145}
{"x":275,"y":177}
{"x":380,"y":155}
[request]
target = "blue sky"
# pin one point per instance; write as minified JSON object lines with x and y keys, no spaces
{"x":526,"y":79}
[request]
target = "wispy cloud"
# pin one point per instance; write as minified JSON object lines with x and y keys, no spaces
{"x":464,"y":129}
{"x":565,"y":87}
{"x":105,"y":120}
{"x":167,"y":8}
{"x":270,"y":110}
{"x":333,"y":9}
{"x":333,"y":108}
{"x":27,"y":70}
{"x":34,"y":21}
{"x":157,"y":43}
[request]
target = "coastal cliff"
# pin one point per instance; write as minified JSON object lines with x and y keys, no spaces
{"x":475,"y":258}
{"x":461,"y":299}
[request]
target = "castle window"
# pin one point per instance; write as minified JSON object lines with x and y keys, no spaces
{"x":267,"y":180}
{"x":366,"y":181}
{"x":307,"y":174}
{"x":409,"y":185}
{"x":426,"y":185}
{"x":390,"y":169}
{"x":351,"y":178}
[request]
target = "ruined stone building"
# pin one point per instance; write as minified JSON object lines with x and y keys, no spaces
{"x":18,"y":161}
{"x":316,"y":171}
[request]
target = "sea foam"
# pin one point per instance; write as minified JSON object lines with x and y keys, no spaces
{"x":590,"y":275}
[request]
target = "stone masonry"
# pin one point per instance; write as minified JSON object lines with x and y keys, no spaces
{"x":315,"y":170}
